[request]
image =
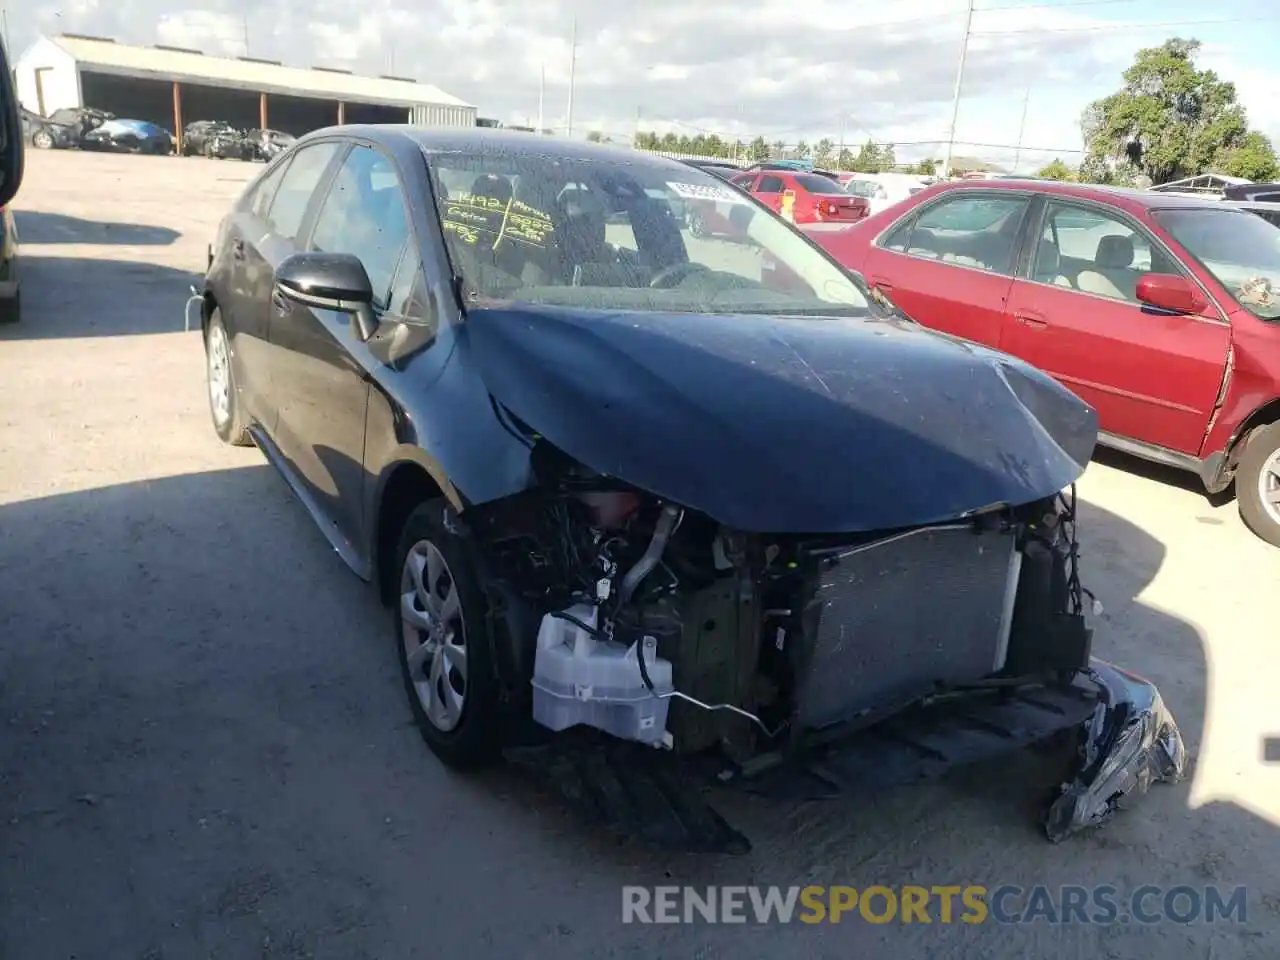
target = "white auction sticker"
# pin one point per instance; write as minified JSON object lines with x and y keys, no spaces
{"x":702,"y":191}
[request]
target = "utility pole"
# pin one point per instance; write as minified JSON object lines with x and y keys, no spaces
{"x":955,"y":96}
{"x":542,"y":98}
{"x":245,"y":23}
{"x":573,"y":66}
{"x":635,"y":136}
{"x":840,"y":149}
{"x":1022,"y":127}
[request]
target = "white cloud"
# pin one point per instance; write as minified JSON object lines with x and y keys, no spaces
{"x":775,"y":68}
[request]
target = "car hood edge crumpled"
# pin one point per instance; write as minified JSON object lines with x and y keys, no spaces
{"x":786,"y":424}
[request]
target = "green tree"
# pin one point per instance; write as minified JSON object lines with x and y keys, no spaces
{"x":647,"y":140}
{"x":844,"y":160}
{"x":1057,"y":170}
{"x":1170,"y":120}
{"x":684,"y":144}
{"x":670,"y":143}
{"x":887,"y":158}
{"x":777,"y":150}
{"x":758,"y":151}
{"x":802,"y":151}
{"x":595,"y":136}
{"x":824,"y":153}
{"x":867,"y":159}
{"x":927,"y":168}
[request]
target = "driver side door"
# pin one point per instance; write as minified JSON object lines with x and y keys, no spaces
{"x":324,"y":380}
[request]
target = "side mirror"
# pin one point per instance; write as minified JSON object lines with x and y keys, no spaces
{"x":1168,"y":291}
{"x":330,"y":281}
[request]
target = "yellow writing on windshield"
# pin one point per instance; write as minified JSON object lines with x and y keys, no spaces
{"x":476,"y":219}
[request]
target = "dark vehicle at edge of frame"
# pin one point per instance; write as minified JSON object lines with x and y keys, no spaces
{"x":629,"y":493}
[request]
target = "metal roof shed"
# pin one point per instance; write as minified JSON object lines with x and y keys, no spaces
{"x":53,"y":73}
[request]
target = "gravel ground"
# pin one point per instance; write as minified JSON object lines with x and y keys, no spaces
{"x":206,"y":752}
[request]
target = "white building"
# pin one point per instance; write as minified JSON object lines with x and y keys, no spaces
{"x":172,"y":86}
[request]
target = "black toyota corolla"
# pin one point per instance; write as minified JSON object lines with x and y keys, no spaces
{"x":653,"y":510}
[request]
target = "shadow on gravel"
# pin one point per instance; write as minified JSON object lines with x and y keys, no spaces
{"x":35,"y":226}
{"x":206,"y":739}
{"x":85,"y":297}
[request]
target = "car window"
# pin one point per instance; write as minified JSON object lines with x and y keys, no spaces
{"x":260,"y":197}
{"x":637,"y":236}
{"x":364,"y":214}
{"x":898,"y":237}
{"x":298,"y":184}
{"x":1095,"y":252}
{"x":769,"y":184}
{"x":970,"y":231}
{"x":1240,"y":249}
{"x":816,"y":183}
{"x":861,"y":188}
{"x":409,"y":298}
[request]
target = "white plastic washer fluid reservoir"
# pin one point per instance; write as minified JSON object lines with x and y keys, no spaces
{"x":579,"y":678}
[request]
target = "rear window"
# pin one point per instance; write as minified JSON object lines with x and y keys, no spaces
{"x":1241,"y":250}
{"x":814,"y":183}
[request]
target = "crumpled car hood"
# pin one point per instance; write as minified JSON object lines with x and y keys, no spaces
{"x":786,"y":424}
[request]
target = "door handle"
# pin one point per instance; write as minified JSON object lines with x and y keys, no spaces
{"x":1028,"y":319}
{"x":237,"y":248}
{"x":281,"y":302}
{"x":881,"y":283}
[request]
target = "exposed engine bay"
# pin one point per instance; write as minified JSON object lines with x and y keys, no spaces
{"x":653,"y":624}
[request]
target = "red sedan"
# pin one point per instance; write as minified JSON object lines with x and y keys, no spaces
{"x":816,"y":199}
{"x":1162,"y":311}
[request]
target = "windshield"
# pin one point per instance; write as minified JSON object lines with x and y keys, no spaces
{"x":1240,"y":249}
{"x":647,"y":235}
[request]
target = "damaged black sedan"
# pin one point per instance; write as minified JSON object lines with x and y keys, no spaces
{"x":656,"y":512}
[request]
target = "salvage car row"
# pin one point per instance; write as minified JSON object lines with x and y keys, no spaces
{"x":625,"y":485}
{"x":90,"y":129}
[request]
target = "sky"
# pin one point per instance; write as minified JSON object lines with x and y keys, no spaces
{"x":775,"y":68}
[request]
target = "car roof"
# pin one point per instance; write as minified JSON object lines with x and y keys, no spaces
{"x":510,"y":142}
{"x":1126,"y":198}
{"x":1250,"y":205}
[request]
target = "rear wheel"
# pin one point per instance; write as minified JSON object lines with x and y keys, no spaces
{"x":224,"y":406}
{"x":697,"y":226}
{"x":442,"y":636}
{"x":42,"y":140}
{"x":1258,"y":483}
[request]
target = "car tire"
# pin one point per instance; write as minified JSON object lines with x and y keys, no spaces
{"x":1258,"y":483}
{"x":468,"y":732}
{"x":224,"y":406}
{"x":42,"y":140}
{"x":11,"y":309}
{"x":697,"y":226}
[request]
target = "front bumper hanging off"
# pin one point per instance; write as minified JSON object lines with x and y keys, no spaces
{"x":1126,"y":738}
{"x":1130,"y":742}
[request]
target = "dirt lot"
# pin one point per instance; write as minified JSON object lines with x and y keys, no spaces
{"x":206,"y":752}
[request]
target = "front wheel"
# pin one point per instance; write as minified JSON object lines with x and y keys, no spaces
{"x":224,"y":407}
{"x":42,"y":140}
{"x":1258,"y":483}
{"x":442,"y":635}
{"x":697,"y":226}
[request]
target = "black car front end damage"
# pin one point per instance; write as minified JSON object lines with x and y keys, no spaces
{"x":804,"y":668}
{"x":675,"y":650}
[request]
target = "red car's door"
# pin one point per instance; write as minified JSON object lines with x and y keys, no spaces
{"x":1151,"y":375}
{"x":768,"y":190}
{"x":950,"y":264}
